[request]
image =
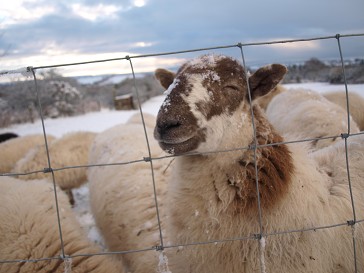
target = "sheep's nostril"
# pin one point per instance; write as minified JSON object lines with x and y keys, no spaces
{"x":166,"y":126}
{"x":172,"y":124}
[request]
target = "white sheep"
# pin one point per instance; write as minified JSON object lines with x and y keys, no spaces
{"x":264,"y":101}
{"x":356,"y":105}
{"x":307,"y":114}
{"x":149,"y":120}
{"x":71,"y":149}
{"x":122,"y":197}
{"x":15,"y":149}
{"x":29,"y":231}
{"x":212,"y":197}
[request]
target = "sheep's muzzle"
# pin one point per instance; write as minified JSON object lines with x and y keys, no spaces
{"x":177,"y":135}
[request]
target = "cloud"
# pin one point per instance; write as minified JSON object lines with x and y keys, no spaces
{"x":20,"y":12}
{"x":93,"y":13}
{"x":106,"y":63}
{"x":90,"y":27}
{"x":139,"y":3}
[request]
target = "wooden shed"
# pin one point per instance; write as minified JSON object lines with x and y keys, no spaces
{"x":124,"y":102}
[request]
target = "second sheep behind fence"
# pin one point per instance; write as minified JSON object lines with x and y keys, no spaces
{"x":303,"y":114}
{"x":356,"y":105}
{"x":122,"y":196}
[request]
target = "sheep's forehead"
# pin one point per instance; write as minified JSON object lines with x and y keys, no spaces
{"x":211,"y":64}
{"x":199,"y":84}
{"x":209,"y":70}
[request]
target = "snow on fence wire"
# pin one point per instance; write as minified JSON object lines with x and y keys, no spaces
{"x":30,"y":71}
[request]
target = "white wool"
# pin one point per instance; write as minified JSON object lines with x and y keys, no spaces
{"x":67,"y":265}
{"x":163,"y":263}
{"x":262,"y":257}
{"x":171,"y":87}
{"x":166,"y":104}
{"x":204,"y":61}
{"x":211,"y":75}
{"x":25,"y":205}
{"x":310,"y":116}
{"x":128,"y":220}
{"x":148,"y":224}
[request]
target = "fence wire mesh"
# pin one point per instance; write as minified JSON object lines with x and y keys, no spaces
{"x":260,"y":237}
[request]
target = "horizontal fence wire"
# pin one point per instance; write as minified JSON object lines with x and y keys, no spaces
{"x":30,"y":70}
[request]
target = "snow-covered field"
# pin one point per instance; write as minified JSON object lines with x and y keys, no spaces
{"x":99,"y":121}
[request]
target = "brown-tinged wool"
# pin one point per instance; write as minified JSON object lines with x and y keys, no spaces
{"x":15,"y":149}
{"x":274,"y":164}
{"x":356,"y":105}
{"x":122,"y":197}
{"x":29,"y":230}
{"x":211,"y":195}
{"x":301,"y":114}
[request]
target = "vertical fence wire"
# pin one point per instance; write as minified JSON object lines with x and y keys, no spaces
{"x":149,"y":156}
{"x":49,"y":160}
{"x":254,"y":148}
{"x":345,"y":136}
{"x":261,"y":236}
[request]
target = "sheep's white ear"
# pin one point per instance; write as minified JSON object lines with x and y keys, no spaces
{"x":165,"y":77}
{"x":265,"y":79}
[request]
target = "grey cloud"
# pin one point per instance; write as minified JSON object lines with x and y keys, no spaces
{"x":171,"y":25}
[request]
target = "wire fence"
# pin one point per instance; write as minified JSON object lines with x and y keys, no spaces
{"x":353,"y":222}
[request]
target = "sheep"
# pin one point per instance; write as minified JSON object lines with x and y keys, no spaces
{"x":149,"y":119}
{"x":309,"y":115}
{"x":70,"y":150}
{"x":29,"y":231}
{"x":15,"y":149}
{"x":122,"y":197}
{"x":356,"y":105}
{"x":6,"y":136}
{"x":212,"y":196}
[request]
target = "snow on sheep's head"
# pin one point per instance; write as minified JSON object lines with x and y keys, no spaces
{"x":206,"y":97}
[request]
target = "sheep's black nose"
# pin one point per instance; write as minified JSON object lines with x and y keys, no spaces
{"x":167,"y":126}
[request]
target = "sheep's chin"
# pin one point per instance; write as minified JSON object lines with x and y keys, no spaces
{"x":180,"y":146}
{"x":175,"y":140}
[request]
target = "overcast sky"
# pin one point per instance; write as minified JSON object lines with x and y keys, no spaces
{"x":39,"y":32}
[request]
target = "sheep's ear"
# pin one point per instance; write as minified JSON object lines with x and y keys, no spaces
{"x":165,"y":77}
{"x":265,"y":79}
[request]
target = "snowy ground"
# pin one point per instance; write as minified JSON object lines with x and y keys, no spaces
{"x":99,"y":121}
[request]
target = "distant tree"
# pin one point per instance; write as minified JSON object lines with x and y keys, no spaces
{"x":50,"y":74}
{"x":314,"y":64}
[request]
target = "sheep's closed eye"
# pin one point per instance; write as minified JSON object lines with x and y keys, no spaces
{"x":231,"y":88}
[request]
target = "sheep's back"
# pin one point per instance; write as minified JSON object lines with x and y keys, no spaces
{"x":304,"y":114}
{"x":356,"y":105}
{"x":149,"y":120}
{"x":29,"y":230}
{"x":122,"y":197}
{"x":70,"y":150}
{"x":14,"y":149}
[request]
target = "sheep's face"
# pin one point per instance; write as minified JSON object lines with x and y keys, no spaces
{"x":205,"y":99}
